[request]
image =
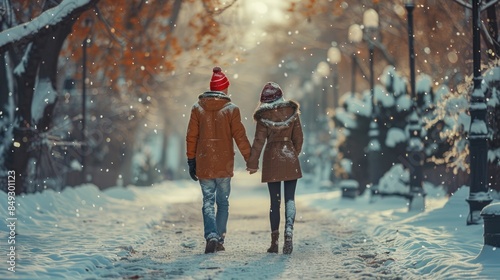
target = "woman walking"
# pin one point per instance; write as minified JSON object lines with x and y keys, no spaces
{"x":278,"y":123}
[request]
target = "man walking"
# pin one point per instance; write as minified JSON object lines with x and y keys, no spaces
{"x":215,"y":121}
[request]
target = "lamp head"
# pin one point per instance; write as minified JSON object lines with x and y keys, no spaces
{"x":334,"y":55}
{"x":370,"y":19}
{"x":323,"y":69}
{"x":355,"y":33}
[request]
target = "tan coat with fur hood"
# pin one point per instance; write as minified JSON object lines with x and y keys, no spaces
{"x":278,"y":124}
{"x":215,"y":121}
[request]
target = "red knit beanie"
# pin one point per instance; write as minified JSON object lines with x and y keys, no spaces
{"x":271,"y":92}
{"x":219,"y":81}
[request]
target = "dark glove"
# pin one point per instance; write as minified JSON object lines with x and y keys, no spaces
{"x":192,"y":168}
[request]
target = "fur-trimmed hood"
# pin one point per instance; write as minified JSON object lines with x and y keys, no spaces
{"x":213,"y":100}
{"x":277,"y":114}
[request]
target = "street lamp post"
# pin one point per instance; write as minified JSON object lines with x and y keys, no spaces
{"x":371,"y":22}
{"x":322,"y":71}
{"x":355,"y":36}
{"x":309,"y":101}
{"x":478,"y":194}
{"x":415,"y":145}
{"x":317,"y":100}
{"x":85,"y":43}
{"x":334,"y":57}
{"x":84,"y":101}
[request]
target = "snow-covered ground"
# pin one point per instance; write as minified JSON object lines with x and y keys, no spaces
{"x":85,"y":233}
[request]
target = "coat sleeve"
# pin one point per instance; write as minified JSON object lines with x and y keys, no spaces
{"x":239,"y":134}
{"x":297,"y":136}
{"x":257,"y":146}
{"x":192,"y":134}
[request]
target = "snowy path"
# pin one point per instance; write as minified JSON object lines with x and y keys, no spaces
{"x":156,"y":233}
{"x":323,"y":248}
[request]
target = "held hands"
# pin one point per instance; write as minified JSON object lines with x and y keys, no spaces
{"x":192,"y":168}
{"x":251,"y":170}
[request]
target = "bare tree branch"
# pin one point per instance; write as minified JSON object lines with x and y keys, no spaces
{"x":483,"y":7}
{"x":26,"y":32}
{"x":121,"y":42}
{"x":219,"y":10}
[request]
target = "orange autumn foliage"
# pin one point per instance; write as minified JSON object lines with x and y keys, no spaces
{"x":132,"y":41}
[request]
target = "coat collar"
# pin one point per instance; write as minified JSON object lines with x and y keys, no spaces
{"x":214,"y":94}
{"x":264,"y":107}
{"x":213,"y":101}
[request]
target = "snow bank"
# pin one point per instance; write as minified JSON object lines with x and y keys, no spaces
{"x":70,"y":234}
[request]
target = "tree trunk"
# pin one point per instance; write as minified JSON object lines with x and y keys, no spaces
{"x":48,"y":69}
{"x":18,"y":155}
{"x":40,"y":58}
{"x":492,"y":28}
{"x":5,"y":97}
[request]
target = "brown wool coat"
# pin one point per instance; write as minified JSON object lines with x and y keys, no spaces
{"x":278,"y":123}
{"x":215,"y":121}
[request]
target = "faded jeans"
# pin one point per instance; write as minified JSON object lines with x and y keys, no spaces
{"x":215,"y":191}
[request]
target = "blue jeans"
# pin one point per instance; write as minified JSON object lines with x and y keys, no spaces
{"x":215,"y":191}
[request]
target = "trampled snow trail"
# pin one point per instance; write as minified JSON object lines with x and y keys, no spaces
{"x":156,"y":233}
{"x":323,"y":248}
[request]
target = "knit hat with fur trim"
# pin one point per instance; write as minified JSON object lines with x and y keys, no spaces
{"x":219,"y":81}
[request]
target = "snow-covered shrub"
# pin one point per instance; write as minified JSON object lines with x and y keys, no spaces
{"x":453,"y":112}
{"x":395,"y":181}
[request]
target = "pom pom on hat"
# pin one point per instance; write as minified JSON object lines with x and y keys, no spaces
{"x":219,"y":81}
{"x":271,"y":92}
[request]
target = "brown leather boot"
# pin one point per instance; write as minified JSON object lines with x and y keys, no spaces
{"x":211,"y":246}
{"x":220,"y":247}
{"x":274,"y":242}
